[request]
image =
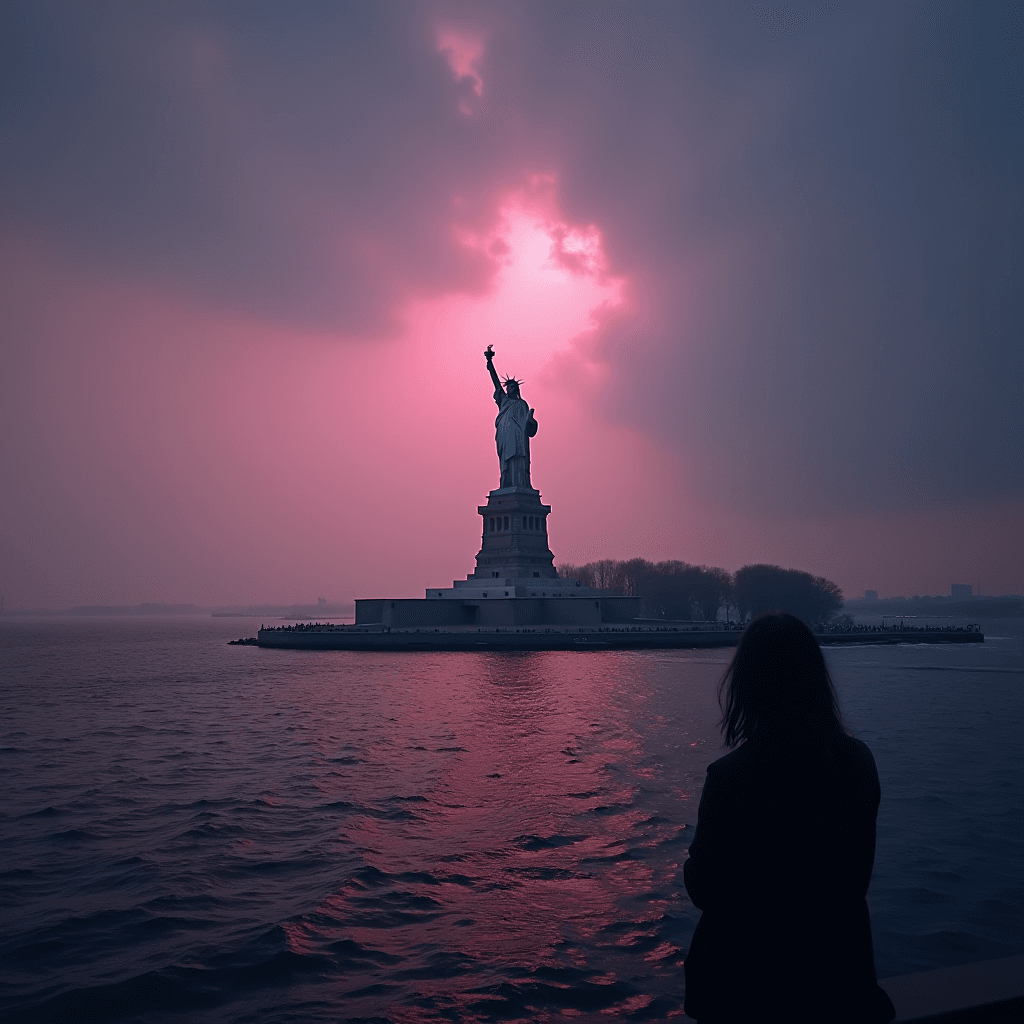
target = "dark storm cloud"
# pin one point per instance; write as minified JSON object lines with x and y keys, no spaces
{"x":298,"y":161}
{"x":817,"y":211}
{"x":823,"y":225}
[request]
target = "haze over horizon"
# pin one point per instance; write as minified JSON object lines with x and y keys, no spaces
{"x":759,"y":265}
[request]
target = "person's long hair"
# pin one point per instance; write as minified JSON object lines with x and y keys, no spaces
{"x":778,"y":686}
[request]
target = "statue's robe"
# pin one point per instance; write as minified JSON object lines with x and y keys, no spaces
{"x":512,"y":430}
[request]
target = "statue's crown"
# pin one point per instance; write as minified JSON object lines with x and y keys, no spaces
{"x":512,"y":380}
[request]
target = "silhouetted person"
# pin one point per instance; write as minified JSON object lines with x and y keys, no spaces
{"x":785,"y":843}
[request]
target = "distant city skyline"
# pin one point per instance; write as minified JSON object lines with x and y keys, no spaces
{"x":760,"y":271}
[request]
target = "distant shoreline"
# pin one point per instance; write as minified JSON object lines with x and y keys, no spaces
{"x":156,"y":610}
{"x":1006,"y":607}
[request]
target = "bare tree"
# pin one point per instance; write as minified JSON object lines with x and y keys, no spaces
{"x":770,"y":588}
{"x":604,"y":574}
{"x":714,"y":589}
{"x":634,"y":575}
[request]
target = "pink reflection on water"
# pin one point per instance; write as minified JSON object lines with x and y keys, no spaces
{"x":493,"y":804}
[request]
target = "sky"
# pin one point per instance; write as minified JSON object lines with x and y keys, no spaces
{"x":760,"y":267}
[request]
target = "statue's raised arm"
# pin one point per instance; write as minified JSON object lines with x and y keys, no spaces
{"x":513,"y":428}
{"x":489,"y":356}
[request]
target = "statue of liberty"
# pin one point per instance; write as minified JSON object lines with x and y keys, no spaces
{"x":513,"y":429}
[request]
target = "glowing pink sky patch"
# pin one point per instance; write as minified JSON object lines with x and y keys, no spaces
{"x":551,"y":284}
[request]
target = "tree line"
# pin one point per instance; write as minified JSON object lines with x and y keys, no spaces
{"x":677,"y":590}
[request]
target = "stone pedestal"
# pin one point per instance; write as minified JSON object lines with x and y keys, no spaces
{"x":515,"y":585}
{"x":515,"y":537}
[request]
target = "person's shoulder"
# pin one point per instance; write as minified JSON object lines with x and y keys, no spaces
{"x":733,"y":763}
{"x":859,"y":766}
{"x":856,"y":750}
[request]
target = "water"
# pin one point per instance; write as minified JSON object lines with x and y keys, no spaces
{"x":195,"y":831}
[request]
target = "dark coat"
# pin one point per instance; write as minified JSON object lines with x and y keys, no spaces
{"x":780,"y":865}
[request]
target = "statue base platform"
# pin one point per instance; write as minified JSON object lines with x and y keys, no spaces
{"x":515,"y":584}
{"x":499,"y":605}
{"x":514,"y":542}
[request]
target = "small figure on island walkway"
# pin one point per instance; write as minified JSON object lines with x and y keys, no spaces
{"x":785,"y":844}
{"x":513,"y":428}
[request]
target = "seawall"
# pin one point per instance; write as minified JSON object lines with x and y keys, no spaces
{"x":321,"y":637}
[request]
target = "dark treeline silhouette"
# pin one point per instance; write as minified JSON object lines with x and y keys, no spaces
{"x":768,"y":588}
{"x":677,"y":590}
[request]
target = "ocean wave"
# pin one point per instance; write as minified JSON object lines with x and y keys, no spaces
{"x":534,"y":842}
